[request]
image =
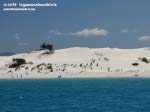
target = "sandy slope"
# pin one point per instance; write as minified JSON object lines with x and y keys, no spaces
{"x":79,"y":63}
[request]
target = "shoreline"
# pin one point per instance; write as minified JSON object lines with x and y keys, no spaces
{"x":74,"y":76}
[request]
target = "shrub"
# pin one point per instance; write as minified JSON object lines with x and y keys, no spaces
{"x":17,"y":62}
{"x":27,"y":68}
{"x":49,"y":66}
{"x":106,"y":59}
{"x":42,"y":64}
{"x":144,"y":60}
{"x":135,"y":64}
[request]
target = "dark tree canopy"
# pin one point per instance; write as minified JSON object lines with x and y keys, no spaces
{"x":48,"y":47}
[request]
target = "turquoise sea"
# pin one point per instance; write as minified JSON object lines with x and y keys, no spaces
{"x":75,"y":95}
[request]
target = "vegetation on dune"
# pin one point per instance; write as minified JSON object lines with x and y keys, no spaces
{"x":48,"y":47}
{"x":135,"y":64}
{"x":144,"y":59}
{"x":16,"y":62}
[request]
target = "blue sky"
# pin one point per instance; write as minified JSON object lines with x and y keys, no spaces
{"x":76,"y":23}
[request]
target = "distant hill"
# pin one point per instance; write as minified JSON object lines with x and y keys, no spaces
{"x":6,"y":53}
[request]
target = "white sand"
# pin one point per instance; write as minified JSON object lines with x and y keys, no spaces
{"x":79,"y":63}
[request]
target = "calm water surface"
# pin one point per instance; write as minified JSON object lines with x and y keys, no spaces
{"x":75,"y":95}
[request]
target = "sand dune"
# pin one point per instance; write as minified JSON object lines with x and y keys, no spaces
{"x":79,"y":62}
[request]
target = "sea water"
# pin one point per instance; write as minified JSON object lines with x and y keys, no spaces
{"x":75,"y":95}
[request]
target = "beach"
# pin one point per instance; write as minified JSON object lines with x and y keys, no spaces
{"x":78,"y":62}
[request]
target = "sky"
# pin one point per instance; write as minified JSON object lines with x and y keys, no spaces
{"x":76,"y":23}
